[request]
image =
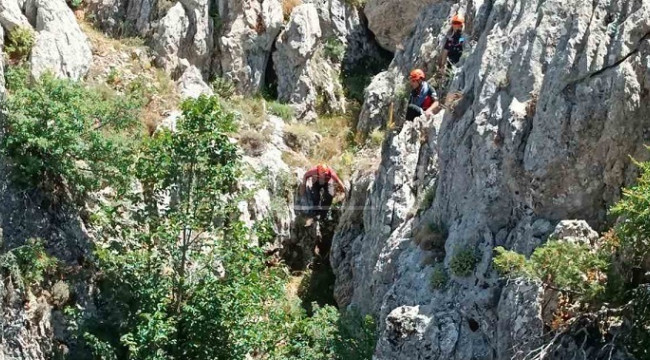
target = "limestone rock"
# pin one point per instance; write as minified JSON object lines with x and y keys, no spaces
{"x":185,"y":32}
{"x":248,"y":32}
{"x":574,"y":231}
{"x":393,"y":20}
{"x":2,"y":81}
{"x":191,"y":83}
{"x":60,"y":46}
{"x":295,"y":47}
{"x":11,"y":15}
{"x":520,"y":326}
{"x":541,"y":133}
{"x":126,"y":17}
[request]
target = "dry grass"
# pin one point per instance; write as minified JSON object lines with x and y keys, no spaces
{"x":287,"y":7}
{"x":122,"y":64}
{"x":252,"y":111}
{"x":300,"y":137}
{"x":376,"y":138}
{"x":252,"y":142}
{"x":296,"y":160}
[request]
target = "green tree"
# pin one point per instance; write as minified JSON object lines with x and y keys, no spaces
{"x":185,"y":275}
{"x":61,"y":136}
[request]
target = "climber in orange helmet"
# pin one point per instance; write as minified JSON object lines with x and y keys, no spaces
{"x":322,"y":178}
{"x":454,"y":43}
{"x":423,"y":99}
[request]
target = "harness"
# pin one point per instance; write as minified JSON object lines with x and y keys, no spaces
{"x":418,"y":100}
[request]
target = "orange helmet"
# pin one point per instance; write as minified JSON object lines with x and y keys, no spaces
{"x":416,"y":74}
{"x":458,"y":19}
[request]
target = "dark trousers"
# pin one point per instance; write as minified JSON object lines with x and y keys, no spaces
{"x":321,"y":202}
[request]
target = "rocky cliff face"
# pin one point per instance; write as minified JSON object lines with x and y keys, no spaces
{"x":554,"y":99}
{"x":60,"y":47}
{"x":250,"y":43}
{"x":554,"y":96}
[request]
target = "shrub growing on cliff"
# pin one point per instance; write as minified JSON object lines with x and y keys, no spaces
{"x":20,"y":42}
{"x":562,"y":265}
{"x":27,"y":264}
{"x":334,"y":49}
{"x":463,"y":262}
{"x":438,"y":277}
{"x":61,"y":136}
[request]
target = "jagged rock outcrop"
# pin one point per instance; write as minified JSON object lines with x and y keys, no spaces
{"x":32,"y":324}
{"x":248,"y":32}
{"x":542,"y":133}
{"x":296,"y":46}
{"x":11,"y":15}
{"x":421,"y":50}
{"x":321,"y":38}
{"x":191,"y":83}
{"x":186,"y":32}
{"x":392,"y":21}
{"x":60,"y":47}
{"x":127,"y":17}
{"x":235,"y":40}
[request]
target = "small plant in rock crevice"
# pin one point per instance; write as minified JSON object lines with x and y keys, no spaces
{"x":429,"y":197}
{"x":463,"y":262}
{"x":20,"y":42}
{"x":223,"y":87}
{"x":334,"y":49}
{"x":282,"y":110}
{"x":439,"y":277}
{"x":28,"y":264}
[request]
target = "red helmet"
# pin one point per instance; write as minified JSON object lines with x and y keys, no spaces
{"x":458,"y":19}
{"x":416,"y":74}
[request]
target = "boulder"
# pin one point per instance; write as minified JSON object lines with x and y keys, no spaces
{"x":392,"y":21}
{"x":60,"y":45}
{"x":191,"y":83}
{"x":11,"y":15}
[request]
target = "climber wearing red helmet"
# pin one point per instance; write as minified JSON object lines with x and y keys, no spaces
{"x":454,"y":44}
{"x":423,"y":98}
{"x":322,"y":178}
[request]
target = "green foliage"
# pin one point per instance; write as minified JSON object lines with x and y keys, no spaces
{"x":223,"y":87}
{"x":328,"y":335}
{"x":282,"y":110}
{"x":62,"y":136}
{"x":376,"y":138}
{"x":463,"y":262}
{"x":429,"y":197}
{"x":334,"y":49}
{"x":403,"y":92}
{"x":20,"y":43}
{"x":509,"y":263}
{"x":185,"y":278}
{"x":75,"y":4}
{"x":17,"y":77}
{"x":113,"y":76}
{"x":439,"y":277}
{"x":572,"y":267}
{"x":634,"y":229}
{"x":27,"y":264}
